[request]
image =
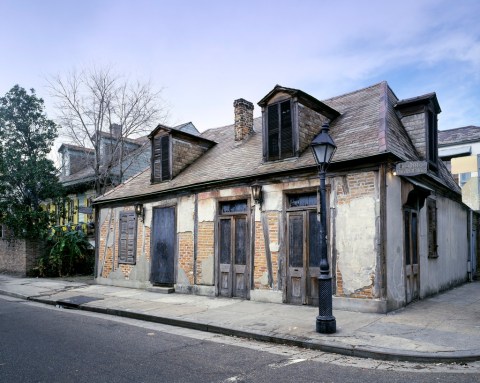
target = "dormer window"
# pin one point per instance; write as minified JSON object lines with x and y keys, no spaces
{"x":290,"y":121}
{"x":279,"y":131}
{"x":432,"y":140}
{"x":161,"y":164}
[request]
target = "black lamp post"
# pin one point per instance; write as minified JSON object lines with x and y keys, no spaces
{"x":323,"y":148}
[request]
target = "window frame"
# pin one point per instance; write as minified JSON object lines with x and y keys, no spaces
{"x":281,"y":128}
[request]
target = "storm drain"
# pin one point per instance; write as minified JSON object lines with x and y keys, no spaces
{"x":75,"y":302}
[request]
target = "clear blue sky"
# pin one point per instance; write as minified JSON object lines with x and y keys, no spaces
{"x":205,"y":54}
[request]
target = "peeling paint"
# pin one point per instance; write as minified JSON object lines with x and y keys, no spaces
{"x":185,"y":211}
{"x":207,"y":266}
{"x":355,"y":243}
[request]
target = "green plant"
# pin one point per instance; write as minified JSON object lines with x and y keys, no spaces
{"x":67,"y":253}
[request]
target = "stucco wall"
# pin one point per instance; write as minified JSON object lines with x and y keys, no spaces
{"x":394,"y":244}
{"x":356,"y":201}
{"x":450,"y":268}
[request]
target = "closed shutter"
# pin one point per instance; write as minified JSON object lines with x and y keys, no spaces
{"x":286,"y":135}
{"x":273,"y":132}
{"x":127,"y":241}
{"x":165,"y":158}
{"x":161,"y":159}
{"x":432,"y":228}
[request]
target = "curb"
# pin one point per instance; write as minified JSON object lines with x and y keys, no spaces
{"x":354,"y":351}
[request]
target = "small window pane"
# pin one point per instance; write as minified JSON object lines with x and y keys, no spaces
{"x":225,"y":241}
{"x":233,"y":207}
{"x":241,"y":241}
{"x":295,"y":256}
{"x":302,"y":200}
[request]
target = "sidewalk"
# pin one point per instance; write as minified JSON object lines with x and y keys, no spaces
{"x":443,"y":328}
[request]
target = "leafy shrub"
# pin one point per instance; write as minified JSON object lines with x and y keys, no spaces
{"x":67,"y":253}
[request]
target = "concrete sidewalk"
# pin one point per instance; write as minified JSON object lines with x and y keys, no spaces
{"x":444,"y":328}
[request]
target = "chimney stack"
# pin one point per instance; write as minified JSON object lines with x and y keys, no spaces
{"x":243,"y":118}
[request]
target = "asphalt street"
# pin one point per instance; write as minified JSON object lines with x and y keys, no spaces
{"x":46,"y":344}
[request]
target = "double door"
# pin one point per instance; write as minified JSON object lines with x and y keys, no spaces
{"x":233,"y":276}
{"x":303,"y":257}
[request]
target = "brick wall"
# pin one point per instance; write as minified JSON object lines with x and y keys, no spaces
{"x":184,"y":153}
{"x":309,"y":125}
{"x":415,"y":126}
{"x":206,"y":249}
{"x":185,"y":254}
{"x":355,"y":185}
{"x":18,"y":256}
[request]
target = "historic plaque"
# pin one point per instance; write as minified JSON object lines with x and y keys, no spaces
{"x":411,"y":168}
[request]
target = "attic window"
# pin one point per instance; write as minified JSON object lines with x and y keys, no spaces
{"x":161,"y":169}
{"x":279,"y":134}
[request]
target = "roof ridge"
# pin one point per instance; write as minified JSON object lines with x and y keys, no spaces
{"x":356,"y":91}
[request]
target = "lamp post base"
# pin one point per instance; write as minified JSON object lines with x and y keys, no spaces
{"x":326,"y":325}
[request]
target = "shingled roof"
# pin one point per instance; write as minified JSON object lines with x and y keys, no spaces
{"x":458,"y":136}
{"x":367,"y":126}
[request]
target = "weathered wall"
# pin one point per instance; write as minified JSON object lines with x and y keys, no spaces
{"x":357,"y":211}
{"x":395,"y":258}
{"x":450,"y":267}
{"x":109,"y":270}
{"x":17,"y":257}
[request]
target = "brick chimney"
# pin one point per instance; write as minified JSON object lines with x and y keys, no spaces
{"x":243,"y":118}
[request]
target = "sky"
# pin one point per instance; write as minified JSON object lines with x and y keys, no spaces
{"x":204,"y":54}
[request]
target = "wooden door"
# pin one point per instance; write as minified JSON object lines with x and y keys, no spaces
{"x":303,"y":257}
{"x":412,"y":270}
{"x":163,"y":246}
{"x":233,"y":254}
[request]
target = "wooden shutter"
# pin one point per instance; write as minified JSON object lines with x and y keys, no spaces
{"x":279,"y":131}
{"x":432,"y":228}
{"x":286,"y":134}
{"x":273,"y":132}
{"x":161,"y":159}
{"x":165,"y":158}
{"x":127,"y":241}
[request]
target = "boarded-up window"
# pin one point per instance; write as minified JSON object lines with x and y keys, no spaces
{"x":279,"y":131}
{"x":161,"y":159}
{"x":432,"y":228}
{"x":127,"y":240}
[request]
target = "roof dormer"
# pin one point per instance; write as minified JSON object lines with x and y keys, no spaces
{"x":419,"y":116}
{"x":75,"y":158}
{"x":291,"y":119}
{"x":174,"y":149}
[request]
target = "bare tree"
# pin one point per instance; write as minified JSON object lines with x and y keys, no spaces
{"x":96,"y":106}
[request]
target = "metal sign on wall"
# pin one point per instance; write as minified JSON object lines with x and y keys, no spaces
{"x":85,"y":210}
{"x":411,"y":168}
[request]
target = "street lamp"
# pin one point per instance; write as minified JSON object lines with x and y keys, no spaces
{"x":323,"y":148}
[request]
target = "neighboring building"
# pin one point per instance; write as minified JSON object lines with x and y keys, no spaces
{"x":397,"y":225}
{"x":460,"y":149}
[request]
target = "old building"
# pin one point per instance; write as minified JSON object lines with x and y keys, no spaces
{"x":397,"y":225}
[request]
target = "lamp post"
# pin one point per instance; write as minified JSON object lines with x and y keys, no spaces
{"x":323,"y":148}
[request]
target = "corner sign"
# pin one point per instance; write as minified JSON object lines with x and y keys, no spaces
{"x":411,"y":168}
